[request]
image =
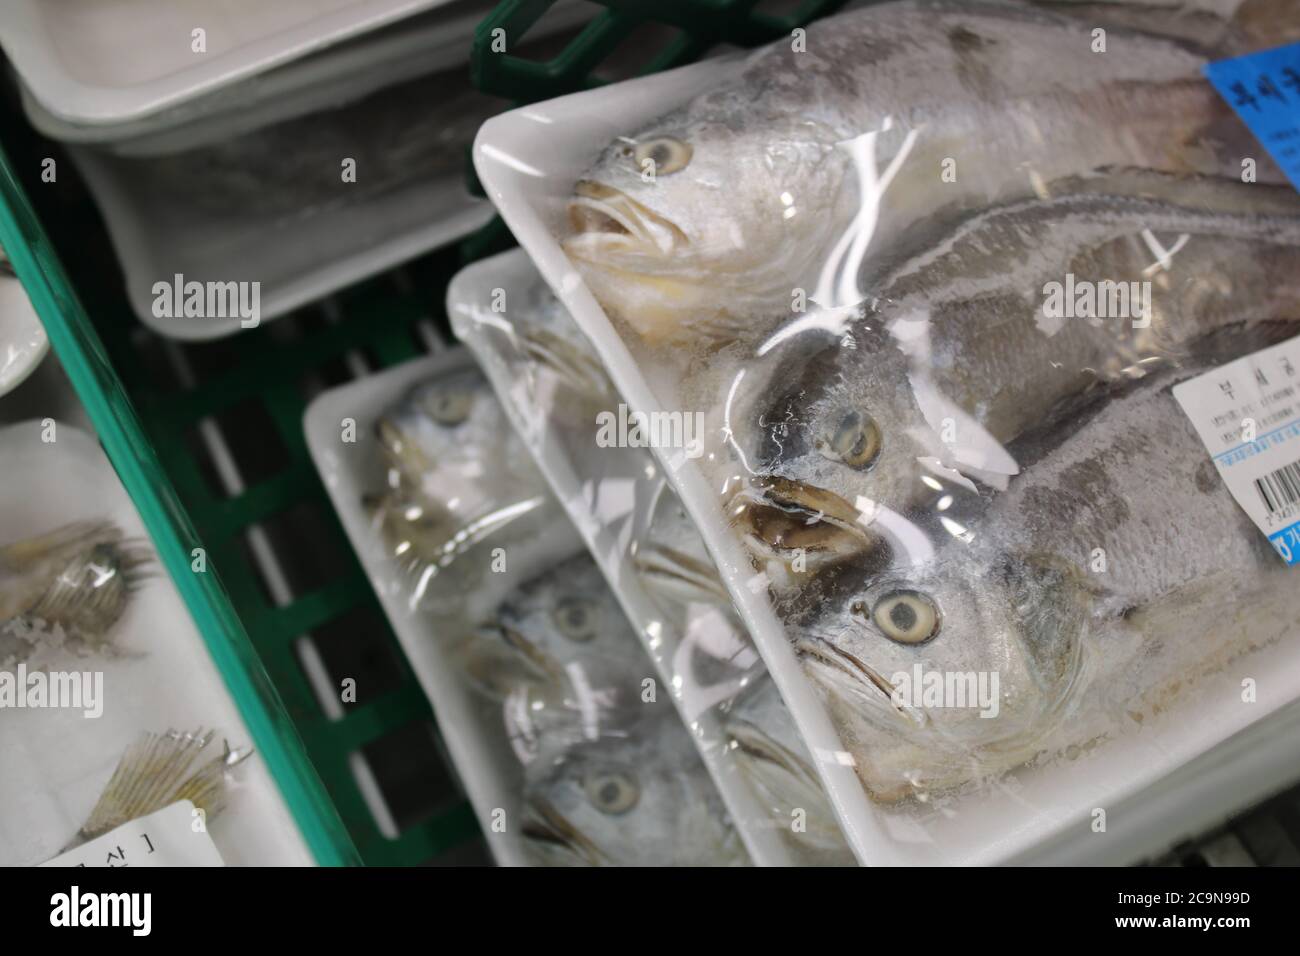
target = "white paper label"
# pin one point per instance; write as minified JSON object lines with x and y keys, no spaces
{"x":1248,"y":415}
{"x":164,"y":838}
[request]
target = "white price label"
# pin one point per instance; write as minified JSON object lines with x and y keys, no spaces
{"x":1248,"y":415}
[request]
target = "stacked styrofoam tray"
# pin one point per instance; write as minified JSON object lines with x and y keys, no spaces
{"x":429,"y":42}
{"x":106,"y":62}
{"x":470,"y":725}
{"x":529,"y":160}
{"x":611,"y":495}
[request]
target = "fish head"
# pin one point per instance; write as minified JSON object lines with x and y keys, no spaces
{"x":640,"y":800}
{"x":949,"y":670}
{"x":835,"y":436}
{"x":561,"y":655}
{"x":434,"y":421}
{"x":703,"y":218}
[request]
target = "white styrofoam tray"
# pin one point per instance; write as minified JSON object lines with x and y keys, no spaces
{"x":97,"y":62}
{"x":435,"y":40}
{"x":471,"y":725}
{"x":163,"y":220}
{"x":56,"y":761}
{"x":529,"y":171}
{"x":609,"y":494}
{"x":22,"y":336}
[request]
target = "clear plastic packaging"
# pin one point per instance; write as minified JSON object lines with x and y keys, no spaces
{"x":570,"y":751}
{"x":555,"y":394}
{"x":927,"y":274}
{"x":288,"y":213}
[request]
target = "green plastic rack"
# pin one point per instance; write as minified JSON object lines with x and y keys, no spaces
{"x":156,"y":404}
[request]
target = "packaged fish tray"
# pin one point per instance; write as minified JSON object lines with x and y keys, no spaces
{"x":223,"y":237}
{"x":557,"y":398}
{"x":121,"y":743}
{"x":92,"y":63}
{"x":984,"y":322}
{"x":569,"y":751}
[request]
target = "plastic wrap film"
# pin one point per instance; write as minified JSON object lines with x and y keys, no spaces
{"x":902,"y":301}
{"x":571,"y":752}
{"x":564,"y":407}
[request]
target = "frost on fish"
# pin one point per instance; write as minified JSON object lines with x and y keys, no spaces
{"x":908,"y":410}
{"x":640,"y":800}
{"x":1218,"y":28}
{"x":805,"y":165}
{"x":1081,"y":654}
{"x":66,"y":590}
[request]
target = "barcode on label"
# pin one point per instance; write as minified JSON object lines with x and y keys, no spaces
{"x":1280,"y":489}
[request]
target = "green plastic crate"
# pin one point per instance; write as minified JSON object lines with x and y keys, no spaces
{"x":60,"y":251}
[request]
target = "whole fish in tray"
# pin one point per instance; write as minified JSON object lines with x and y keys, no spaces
{"x":797,"y":172}
{"x":446,"y":499}
{"x":1081,"y":648}
{"x":851,"y":435}
{"x":562,"y":657}
{"x":643,"y":799}
{"x":720,"y":664}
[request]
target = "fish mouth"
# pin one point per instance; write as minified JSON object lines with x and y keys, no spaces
{"x":606,"y":220}
{"x":547,"y":826}
{"x":787,"y":520}
{"x":680,"y":576}
{"x":571,"y":364}
{"x":841,"y":670}
{"x":760,"y":747}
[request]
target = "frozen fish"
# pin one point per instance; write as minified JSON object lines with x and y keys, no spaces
{"x":562,"y":656}
{"x":989,"y":331}
{"x":709,"y":221}
{"x":643,"y":799}
{"x":1102,"y":583}
{"x":774,"y":759}
{"x":458,"y":477}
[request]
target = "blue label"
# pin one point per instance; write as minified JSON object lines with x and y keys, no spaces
{"x":1287,"y":543}
{"x":1264,"y":89}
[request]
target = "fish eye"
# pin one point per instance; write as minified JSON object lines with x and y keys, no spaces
{"x":449,"y":406}
{"x":854,"y":438}
{"x":667,"y":154}
{"x":907,"y":617}
{"x":612,"y":792}
{"x":577,"y":619}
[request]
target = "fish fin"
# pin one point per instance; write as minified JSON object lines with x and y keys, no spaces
{"x":75,"y":537}
{"x":156,"y":771}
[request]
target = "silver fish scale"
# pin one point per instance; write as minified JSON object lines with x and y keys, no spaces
{"x":1137,"y":482}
